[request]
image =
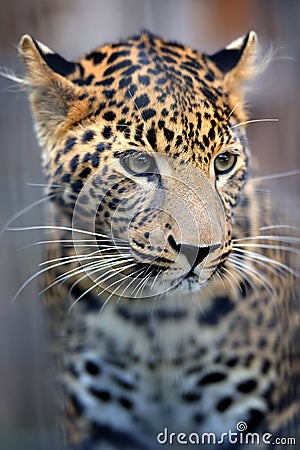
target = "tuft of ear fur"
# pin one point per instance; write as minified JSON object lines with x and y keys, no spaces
{"x":51,"y":94}
{"x":53,"y":97}
{"x":237,"y":64}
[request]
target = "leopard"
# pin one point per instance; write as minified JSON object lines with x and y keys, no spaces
{"x":170,"y":292}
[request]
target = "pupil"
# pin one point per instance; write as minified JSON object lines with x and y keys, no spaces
{"x":141,"y":161}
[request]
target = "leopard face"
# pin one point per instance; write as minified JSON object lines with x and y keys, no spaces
{"x":144,"y":150}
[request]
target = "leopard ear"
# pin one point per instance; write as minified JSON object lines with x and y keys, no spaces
{"x":52,"y":95}
{"x":237,"y":56}
{"x":236,"y":63}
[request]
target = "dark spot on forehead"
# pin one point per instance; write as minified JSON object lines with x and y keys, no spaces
{"x":66,"y":178}
{"x":74,"y":163}
{"x":109,"y":115}
{"x":125,"y":82}
{"x":105,"y":82}
{"x":106,"y":132}
{"x":179,"y":141}
{"x":97,"y":57}
{"x":83,"y":96}
{"x":151,"y":137}
{"x":84,"y":81}
{"x":69,"y":144}
{"x":77,"y":186}
{"x":100,"y":147}
{"x":58,"y":170}
{"x":169,"y":134}
{"x":148,"y":113}
{"x":170,"y":51}
{"x":86,"y":157}
{"x":88,"y":136}
{"x":95,"y":159}
{"x":131,"y":91}
{"x":144,"y":79}
{"x":205,"y":140}
{"x":85,"y":172}
{"x":109,"y":93}
{"x":142,"y":101}
{"x":121,"y":65}
{"x":117,"y":55}
{"x":162,"y":80}
{"x":131,"y":70}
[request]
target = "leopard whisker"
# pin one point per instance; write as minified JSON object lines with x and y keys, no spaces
{"x":94,"y":255}
{"x":243,"y":258}
{"x":254,"y":121}
{"x":43,"y":185}
{"x":76,"y":271}
{"x":143,"y":286}
{"x":140,"y":284}
{"x":91,"y":269}
{"x":262,"y":258}
{"x":218,"y":275}
{"x":272,"y":227}
{"x":275,"y":176}
{"x":232,"y":280}
{"x":146,"y":270}
{"x":71,"y":258}
{"x":61,"y":279}
{"x":112,"y":272}
{"x":37,"y":274}
{"x":62,"y":241}
{"x":63,"y":228}
{"x":23,"y":211}
{"x":232,"y":111}
{"x":111,"y":294}
{"x":155,"y":279}
{"x":278,"y":238}
{"x":121,"y":282}
{"x":255,"y":274}
{"x":102,"y":247}
{"x":135,"y":277}
{"x":269,"y":246}
{"x":60,"y":262}
{"x":75,"y":241}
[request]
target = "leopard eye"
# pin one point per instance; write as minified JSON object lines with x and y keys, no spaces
{"x":139,"y":163}
{"x":225,"y":162}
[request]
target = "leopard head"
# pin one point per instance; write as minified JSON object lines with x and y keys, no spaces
{"x":145,"y":151}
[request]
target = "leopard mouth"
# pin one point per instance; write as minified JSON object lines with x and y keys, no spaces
{"x":157,"y":272}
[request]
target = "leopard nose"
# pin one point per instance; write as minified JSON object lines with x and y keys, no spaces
{"x":194,"y":254}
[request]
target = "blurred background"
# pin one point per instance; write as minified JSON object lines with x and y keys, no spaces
{"x":72,"y":27}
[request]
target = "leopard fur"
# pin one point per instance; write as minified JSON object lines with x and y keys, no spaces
{"x":160,"y":315}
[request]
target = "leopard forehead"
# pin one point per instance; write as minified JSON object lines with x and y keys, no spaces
{"x":150,"y":80}
{"x":148,"y":93}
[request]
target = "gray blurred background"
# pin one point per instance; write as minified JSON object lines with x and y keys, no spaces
{"x":72,"y":27}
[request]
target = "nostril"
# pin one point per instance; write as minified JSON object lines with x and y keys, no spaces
{"x":194,"y":254}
